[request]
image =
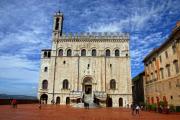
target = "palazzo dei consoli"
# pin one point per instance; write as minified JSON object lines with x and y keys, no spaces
{"x":87,"y":67}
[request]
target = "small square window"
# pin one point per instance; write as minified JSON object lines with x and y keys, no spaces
{"x":160,"y":59}
{"x":166,"y":54}
{"x":171,"y":97}
{"x":174,"y":49}
{"x":45,"y":69}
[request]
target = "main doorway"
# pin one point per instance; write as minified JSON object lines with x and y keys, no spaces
{"x":87,"y":85}
{"x":88,"y":89}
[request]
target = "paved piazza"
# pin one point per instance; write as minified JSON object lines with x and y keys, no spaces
{"x":53,"y":112}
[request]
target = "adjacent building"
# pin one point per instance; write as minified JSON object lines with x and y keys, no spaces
{"x":86,"y":67}
{"x":138,"y":88}
{"x":162,"y":71}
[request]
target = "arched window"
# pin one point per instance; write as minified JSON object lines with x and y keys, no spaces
{"x":45,"y":69}
{"x":65,"y":84}
{"x":49,"y":54}
{"x":108,"y":52}
{"x":116,"y":52}
{"x":120,"y":102}
{"x":57,"y":24}
{"x":83,"y":52}
{"x":67,"y":100}
{"x":113,"y":84}
{"x":69,"y":52}
{"x":58,"y":100}
{"x":94,"y":52}
{"x":60,"y":52}
{"x":44,"y":84}
{"x":45,"y":54}
{"x":176,"y":66}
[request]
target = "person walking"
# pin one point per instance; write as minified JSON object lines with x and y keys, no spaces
{"x":132,"y":109}
{"x":137,"y":109}
{"x":14,"y":103}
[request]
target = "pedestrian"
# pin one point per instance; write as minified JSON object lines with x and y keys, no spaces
{"x":40,"y":106}
{"x":137,"y":109}
{"x":142,"y":107}
{"x":132,"y":109}
{"x":14,"y":103}
{"x":127,"y":105}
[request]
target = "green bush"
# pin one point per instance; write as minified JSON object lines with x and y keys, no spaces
{"x":162,"y":103}
{"x":148,"y":106}
{"x":153,"y":107}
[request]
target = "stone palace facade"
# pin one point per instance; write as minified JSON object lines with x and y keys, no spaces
{"x":86,"y":67}
{"x":162,"y":72}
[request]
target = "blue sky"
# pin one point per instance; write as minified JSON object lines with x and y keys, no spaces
{"x":26,"y":27}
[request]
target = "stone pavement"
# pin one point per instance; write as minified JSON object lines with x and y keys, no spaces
{"x":53,"y":112}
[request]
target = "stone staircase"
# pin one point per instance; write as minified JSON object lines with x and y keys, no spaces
{"x":88,"y":98}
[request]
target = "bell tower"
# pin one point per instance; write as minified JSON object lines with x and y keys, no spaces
{"x":58,"y":24}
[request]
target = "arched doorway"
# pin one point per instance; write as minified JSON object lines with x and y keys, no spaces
{"x":87,"y":85}
{"x":120,"y":102}
{"x":109,"y":102}
{"x":67,"y":100}
{"x":44,"y":98}
{"x":58,"y":100}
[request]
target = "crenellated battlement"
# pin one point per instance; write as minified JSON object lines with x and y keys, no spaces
{"x":96,"y":35}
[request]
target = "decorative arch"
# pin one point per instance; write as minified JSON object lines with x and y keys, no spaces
{"x":44,"y":84}
{"x":87,"y":77}
{"x":94,"y":52}
{"x":69,"y":52}
{"x":87,"y":85}
{"x":117,"y":53}
{"x":83,"y":52}
{"x":60,"y":52}
{"x":113,"y":84}
{"x":108,"y":52}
